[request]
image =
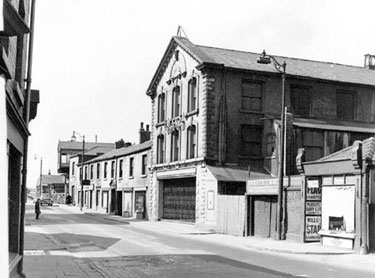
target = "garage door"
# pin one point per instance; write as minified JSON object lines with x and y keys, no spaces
{"x":179,"y":199}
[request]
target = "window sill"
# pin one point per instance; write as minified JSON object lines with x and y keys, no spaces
{"x":131,"y":178}
{"x":144,"y":176}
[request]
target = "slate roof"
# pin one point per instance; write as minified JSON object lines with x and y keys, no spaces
{"x":244,"y":60}
{"x":51,"y":179}
{"x":368,"y":153}
{"x":69,"y":145}
{"x":122,"y":152}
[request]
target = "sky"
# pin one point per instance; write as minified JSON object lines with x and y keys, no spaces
{"x":94,"y":59}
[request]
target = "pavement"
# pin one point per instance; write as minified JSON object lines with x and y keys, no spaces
{"x":325,"y":254}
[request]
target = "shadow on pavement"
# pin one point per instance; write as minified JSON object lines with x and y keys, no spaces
{"x":57,"y":219}
{"x":67,"y":241}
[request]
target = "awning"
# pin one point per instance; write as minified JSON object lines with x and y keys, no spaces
{"x":338,"y":126}
{"x":228,"y":174}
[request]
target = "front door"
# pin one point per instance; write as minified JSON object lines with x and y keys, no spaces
{"x":264,"y":216}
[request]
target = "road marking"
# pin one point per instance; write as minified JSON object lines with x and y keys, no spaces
{"x":34,"y":252}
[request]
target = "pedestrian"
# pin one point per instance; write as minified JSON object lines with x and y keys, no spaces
{"x":37,"y":208}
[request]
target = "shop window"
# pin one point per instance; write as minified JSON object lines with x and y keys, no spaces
{"x":338,"y":206}
{"x":300,"y":98}
{"x":251,"y":140}
{"x":98,"y":170}
{"x":175,"y":146}
{"x":176,"y":102}
{"x":161,"y":108}
{"x":160,"y":155}
{"x":192,"y":94}
{"x":144,"y":164}
{"x":336,"y":223}
{"x":131,"y":167}
{"x":191,"y":141}
{"x":120,"y":171}
{"x":345,"y":105}
{"x":251,"y":99}
{"x":313,"y":142}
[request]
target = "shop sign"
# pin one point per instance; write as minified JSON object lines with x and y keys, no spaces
{"x":313,"y":226}
{"x":262,"y":187}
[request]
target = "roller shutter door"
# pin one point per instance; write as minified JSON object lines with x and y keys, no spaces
{"x":179,"y":199}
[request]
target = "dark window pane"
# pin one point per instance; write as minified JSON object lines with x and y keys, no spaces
{"x":345,"y":105}
{"x":301,"y":101}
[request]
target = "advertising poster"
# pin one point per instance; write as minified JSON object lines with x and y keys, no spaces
{"x":313,"y":210}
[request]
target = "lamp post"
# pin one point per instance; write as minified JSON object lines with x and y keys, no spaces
{"x":83,"y":154}
{"x":281,"y":68}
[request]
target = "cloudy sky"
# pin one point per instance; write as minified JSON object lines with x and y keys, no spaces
{"x":94,"y":59}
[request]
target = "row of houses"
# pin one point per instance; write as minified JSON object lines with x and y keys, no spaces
{"x":215,"y":141}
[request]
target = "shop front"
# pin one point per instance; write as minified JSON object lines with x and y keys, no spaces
{"x":340,"y":199}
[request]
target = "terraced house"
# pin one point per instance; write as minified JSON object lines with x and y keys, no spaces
{"x":115,"y":181}
{"x":216,"y":124}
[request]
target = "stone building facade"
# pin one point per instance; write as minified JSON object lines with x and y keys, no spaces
{"x":216,"y":123}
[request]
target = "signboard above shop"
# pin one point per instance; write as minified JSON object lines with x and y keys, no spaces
{"x":262,"y":187}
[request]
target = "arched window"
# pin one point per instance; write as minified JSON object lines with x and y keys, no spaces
{"x":191,"y":142}
{"x":192,"y":94}
{"x":176,"y":101}
{"x":161,"y":108}
{"x":160,"y":149}
{"x":175,"y":146}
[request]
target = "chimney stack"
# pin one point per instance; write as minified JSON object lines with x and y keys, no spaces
{"x":370,"y":61}
{"x":144,"y":135}
{"x":120,"y":144}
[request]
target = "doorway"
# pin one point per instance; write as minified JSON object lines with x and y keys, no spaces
{"x":262,"y":216}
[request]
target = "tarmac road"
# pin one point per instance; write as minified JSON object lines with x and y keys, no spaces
{"x":65,"y":242}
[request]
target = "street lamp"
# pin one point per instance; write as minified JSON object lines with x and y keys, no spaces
{"x":83,"y":153}
{"x":281,"y":68}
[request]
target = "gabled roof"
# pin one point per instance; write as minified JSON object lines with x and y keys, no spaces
{"x":69,"y":145}
{"x":122,"y":152}
{"x":243,"y":60}
{"x":51,"y":179}
{"x":368,"y":153}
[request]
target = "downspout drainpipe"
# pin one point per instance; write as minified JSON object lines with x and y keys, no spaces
{"x":364,"y":209}
{"x":26,"y":117}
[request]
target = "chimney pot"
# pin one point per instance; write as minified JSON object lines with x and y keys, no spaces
{"x":370,"y":61}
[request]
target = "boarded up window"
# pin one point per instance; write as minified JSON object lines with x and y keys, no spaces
{"x":251,"y":140}
{"x":300,"y":99}
{"x":345,"y":105}
{"x":313,"y":142}
{"x":251,"y":96}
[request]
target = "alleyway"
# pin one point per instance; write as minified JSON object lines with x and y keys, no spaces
{"x":68,"y":243}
